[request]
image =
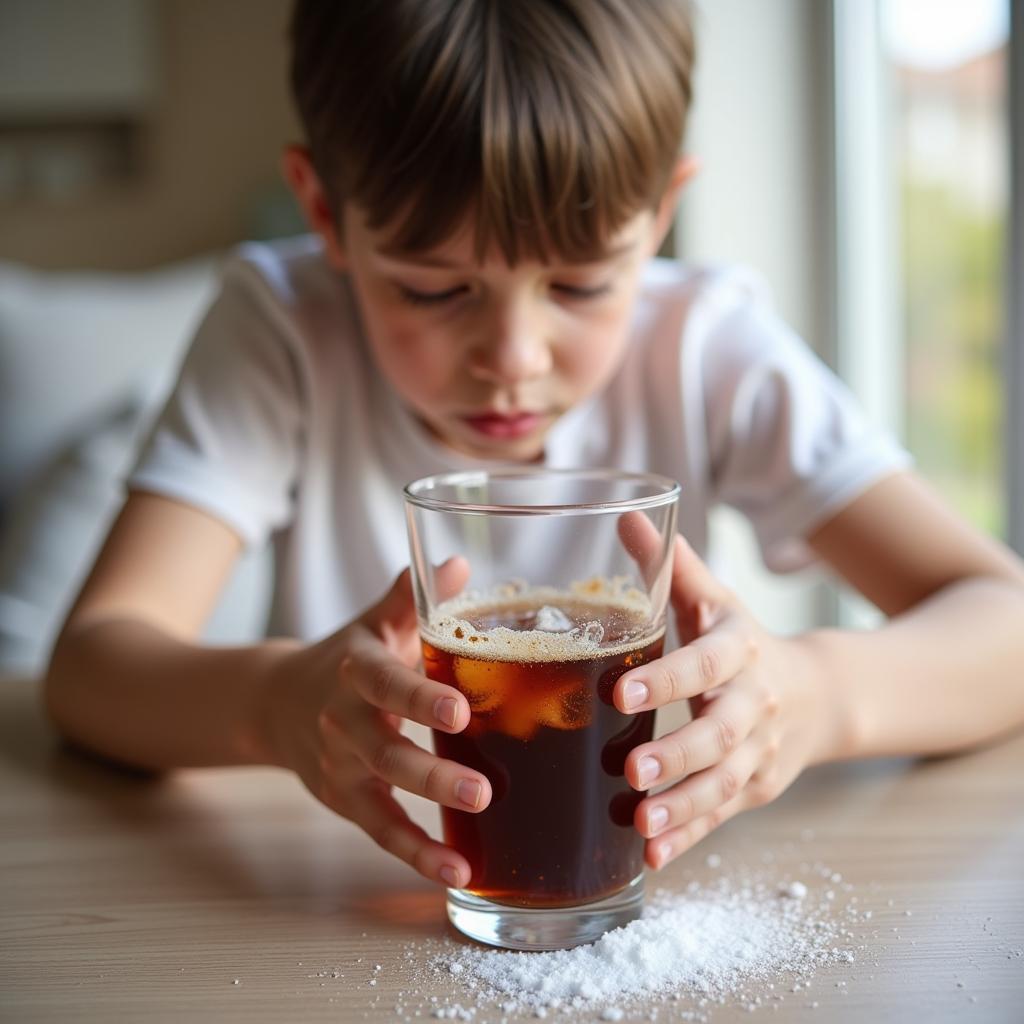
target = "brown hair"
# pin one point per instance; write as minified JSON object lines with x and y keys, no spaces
{"x":552,"y":121}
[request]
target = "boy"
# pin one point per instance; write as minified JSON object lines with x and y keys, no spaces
{"x":487,"y":185}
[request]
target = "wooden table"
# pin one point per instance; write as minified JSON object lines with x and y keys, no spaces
{"x":127,"y":898}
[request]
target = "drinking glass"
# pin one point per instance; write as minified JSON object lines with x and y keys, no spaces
{"x":561,"y":586}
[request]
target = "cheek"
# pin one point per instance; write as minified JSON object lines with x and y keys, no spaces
{"x":408,"y":356}
{"x":597,"y":348}
{"x":417,"y":364}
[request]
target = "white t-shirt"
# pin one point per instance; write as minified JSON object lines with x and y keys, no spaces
{"x":282,"y":426}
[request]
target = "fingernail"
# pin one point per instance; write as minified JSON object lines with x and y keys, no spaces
{"x":469,"y":792}
{"x":446,"y":710}
{"x":657,"y":819}
{"x":449,"y":876}
{"x":647,"y":771}
{"x":663,"y":854}
{"x":634,"y":694}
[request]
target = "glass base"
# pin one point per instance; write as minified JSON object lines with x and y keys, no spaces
{"x":497,"y":924}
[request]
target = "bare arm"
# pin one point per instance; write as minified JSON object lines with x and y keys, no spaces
{"x":947,"y":671}
{"x":128,"y":679}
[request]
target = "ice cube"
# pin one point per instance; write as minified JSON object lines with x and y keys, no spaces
{"x":576,"y":708}
{"x":517,"y":719}
{"x":552,"y":620}
{"x":484,"y":683}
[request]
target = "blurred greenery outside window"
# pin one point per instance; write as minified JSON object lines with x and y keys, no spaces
{"x":947,"y":71}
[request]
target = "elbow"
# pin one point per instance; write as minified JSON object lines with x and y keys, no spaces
{"x":66,"y":683}
{"x":58,"y":691}
{"x":74,"y":708}
{"x":1000,"y":589}
{"x":1009,"y":586}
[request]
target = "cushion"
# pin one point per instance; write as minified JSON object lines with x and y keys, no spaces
{"x":56,"y":529}
{"x":76,"y":345}
{"x":86,"y":361}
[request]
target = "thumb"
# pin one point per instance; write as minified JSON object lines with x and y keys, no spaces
{"x":450,"y":578}
{"x":396,"y":610}
{"x":696,"y":595}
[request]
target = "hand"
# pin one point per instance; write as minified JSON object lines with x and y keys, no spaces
{"x":758,"y":716}
{"x":336,"y":707}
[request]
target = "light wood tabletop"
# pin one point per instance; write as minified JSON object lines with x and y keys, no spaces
{"x":232,"y":895}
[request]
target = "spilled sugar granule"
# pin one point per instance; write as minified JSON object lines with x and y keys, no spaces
{"x":711,"y":943}
{"x":708,"y":943}
{"x":752,"y":937}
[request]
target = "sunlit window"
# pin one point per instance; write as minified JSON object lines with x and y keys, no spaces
{"x":946,"y":63}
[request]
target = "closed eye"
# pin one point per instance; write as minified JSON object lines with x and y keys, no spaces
{"x":576,"y":292}
{"x":429,"y":298}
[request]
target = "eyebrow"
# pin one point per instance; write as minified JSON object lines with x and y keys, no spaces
{"x":439,"y":262}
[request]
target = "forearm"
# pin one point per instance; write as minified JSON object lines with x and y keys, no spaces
{"x":945,"y":675}
{"x":126,"y":690}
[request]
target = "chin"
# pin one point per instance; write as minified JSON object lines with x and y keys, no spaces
{"x":460,"y":437}
{"x":526,"y":449}
{"x":518,"y":452}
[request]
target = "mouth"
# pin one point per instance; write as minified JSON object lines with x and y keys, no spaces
{"x":504,"y":426}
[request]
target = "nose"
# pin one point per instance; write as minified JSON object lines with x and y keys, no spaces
{"x":514,"y":346}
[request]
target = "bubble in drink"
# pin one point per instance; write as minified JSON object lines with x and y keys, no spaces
{"x":541,"y":708}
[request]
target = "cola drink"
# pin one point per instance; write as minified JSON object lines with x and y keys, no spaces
{"x":538,"y":674}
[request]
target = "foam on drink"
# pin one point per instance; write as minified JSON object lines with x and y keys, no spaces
{"x":522,"y":623}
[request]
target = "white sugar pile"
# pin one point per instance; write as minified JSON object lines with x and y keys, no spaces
{"x":709,"y":943}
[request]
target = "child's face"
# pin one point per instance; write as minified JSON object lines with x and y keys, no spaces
{"x":488,"y":356}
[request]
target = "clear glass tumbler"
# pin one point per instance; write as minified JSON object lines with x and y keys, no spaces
{"x":562,"y":587}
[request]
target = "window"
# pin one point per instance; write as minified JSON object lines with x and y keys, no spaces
{"x":922,"y":189}
{"x":922,"y":200}
{"x":946,"y":69}
{"x":864,"y":112}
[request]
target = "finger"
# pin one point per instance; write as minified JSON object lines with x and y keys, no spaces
{"x":373,"y":672}
{"x":451,"y":577}
{"x":697,"y":597}
{"x":644,"y":544}
{"x":701,"y":665}
{"x":400,"y":762}
{"x":658,"y":852}
{"x":726,"y":723}
{"x":384,"y":820}
{"x":692,"y":580}
{"x":700,"y":793}
{"x":396,"y":611}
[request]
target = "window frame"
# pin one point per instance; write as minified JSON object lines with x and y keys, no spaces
{"x":865,"y":220}
{"x":1014,"y":340}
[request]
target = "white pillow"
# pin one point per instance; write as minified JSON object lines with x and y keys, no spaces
{"x":86,"y":361}
{"x":75,"y":346}
{"x":54,"y":533}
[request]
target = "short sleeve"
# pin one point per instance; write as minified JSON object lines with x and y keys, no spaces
{"x":229,"y":439}
{"x":789,"y":444}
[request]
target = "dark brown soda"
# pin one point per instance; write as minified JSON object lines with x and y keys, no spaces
{"x":559,"y":829}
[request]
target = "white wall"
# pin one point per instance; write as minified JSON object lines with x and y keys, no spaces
{"x":210,"y":148}
{"x":760,"y":127}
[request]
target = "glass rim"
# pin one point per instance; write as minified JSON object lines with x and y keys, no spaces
{"x":669,"y":491}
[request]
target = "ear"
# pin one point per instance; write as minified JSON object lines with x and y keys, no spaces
{"x":685,"y":169}
{"x":298,"y":171}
